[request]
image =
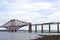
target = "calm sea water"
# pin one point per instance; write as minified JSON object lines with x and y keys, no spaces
{"x":21,"y":35}
{"x":17,"y":35}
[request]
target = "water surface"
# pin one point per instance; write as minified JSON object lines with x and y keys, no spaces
{"x":17,"y":35}
{"x":22,"y":35}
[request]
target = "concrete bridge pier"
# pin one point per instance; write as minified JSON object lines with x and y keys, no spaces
{"x":57,"y":27}
{"x":42,"y":28}
{"x":30,"y":27}
{"x":35,"y":28}
{"x":49,"y":28}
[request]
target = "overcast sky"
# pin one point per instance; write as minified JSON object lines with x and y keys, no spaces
{"x":34,"y":11}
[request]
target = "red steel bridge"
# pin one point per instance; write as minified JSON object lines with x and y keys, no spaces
{"x":13,"y":25}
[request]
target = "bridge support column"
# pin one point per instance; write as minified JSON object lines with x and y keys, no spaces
{"x":30,"y":27}
{"x":8,"y":29}
{"x":12,"y":29}
{"x":35,"y":28}
{"x":58,"y":27}
{"x":49,"y":28}
{"x":42,"y":28}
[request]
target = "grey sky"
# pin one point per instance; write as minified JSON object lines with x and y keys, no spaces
{"x":34,"y":11}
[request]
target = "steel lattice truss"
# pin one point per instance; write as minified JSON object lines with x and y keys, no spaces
{"x":15,"y":23}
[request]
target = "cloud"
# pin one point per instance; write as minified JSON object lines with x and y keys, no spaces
{"x":55,"y":17}
{"x":25,"y":16}
{"x":33,"y":6}
{"x":30,"y":11}
{"x":20,"y":10}
{"x":23,"y":10}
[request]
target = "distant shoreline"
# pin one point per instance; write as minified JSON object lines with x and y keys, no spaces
{"x":34,"y":31}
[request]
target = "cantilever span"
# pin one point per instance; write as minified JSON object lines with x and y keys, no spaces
{"x":13,"y":25}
